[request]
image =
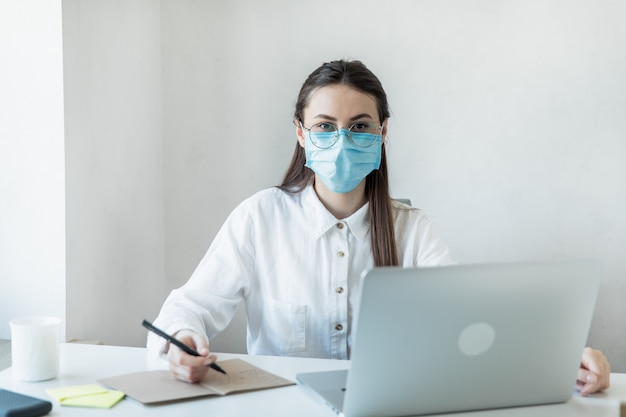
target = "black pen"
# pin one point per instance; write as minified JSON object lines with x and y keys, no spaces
{"x":178,"y":343}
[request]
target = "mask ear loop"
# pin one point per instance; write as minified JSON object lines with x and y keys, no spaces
{"x":385,"y":139}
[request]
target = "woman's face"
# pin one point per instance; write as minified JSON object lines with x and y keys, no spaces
{"x":340,"y":105}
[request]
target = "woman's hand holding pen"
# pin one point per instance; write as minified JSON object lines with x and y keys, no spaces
{"x":187,"y":367}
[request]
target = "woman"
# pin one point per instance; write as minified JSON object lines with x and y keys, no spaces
{"x":294,"y":253}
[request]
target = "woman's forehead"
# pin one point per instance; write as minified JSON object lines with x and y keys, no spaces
{"x":340,"y":101}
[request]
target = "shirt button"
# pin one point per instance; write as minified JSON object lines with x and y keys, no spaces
{"x":341,"y":254}
{"x":339,"y":327}
{"x":339,"y":290}
{"x":339,"y":225}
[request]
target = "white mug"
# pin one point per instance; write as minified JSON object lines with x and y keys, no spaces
{"x":35,"y":348}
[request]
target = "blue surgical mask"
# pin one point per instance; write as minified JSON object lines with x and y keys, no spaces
{"x":344,"y":165}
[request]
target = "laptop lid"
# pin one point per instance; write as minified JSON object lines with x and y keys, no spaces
{"x":459,"y":338}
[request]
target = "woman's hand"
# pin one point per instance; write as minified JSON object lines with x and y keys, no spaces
{"x":594,"y":373}
{"x":189,"y":368}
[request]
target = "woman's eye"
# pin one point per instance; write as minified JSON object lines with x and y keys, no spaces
{"x":324,"y":127}
{"x":360,"y":127}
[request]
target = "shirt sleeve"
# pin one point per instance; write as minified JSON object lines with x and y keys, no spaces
{"x":432,"y":249}
{"x":419,"y":244}
{"x":207,"y":302}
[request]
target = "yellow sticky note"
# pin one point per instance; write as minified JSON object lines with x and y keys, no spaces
{"x":86,"y":396}
{"x":104,"y":400}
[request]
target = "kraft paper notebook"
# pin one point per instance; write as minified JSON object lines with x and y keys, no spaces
{"x":151,"y":387}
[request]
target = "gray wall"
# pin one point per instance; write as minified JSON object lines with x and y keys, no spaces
{"x":507,"y":125}
{"x":507,"y":129}
{"x":114,"y":178}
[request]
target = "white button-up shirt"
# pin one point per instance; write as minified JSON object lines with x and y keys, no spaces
{"x":297,"y":268}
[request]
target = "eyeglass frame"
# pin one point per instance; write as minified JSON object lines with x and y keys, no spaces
{"x":378,"y":128}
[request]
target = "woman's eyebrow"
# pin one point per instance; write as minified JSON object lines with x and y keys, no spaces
{"x":326,"y":117}
{"x":361,"y":116}
{"x":334,"y":119}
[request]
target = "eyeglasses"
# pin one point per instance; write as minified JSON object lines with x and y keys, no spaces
{"x":324,"y":135}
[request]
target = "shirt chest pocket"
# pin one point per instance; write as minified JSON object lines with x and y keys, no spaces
{"x":286,"y":326}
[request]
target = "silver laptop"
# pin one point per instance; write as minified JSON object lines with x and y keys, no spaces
{"x":460,"y":338}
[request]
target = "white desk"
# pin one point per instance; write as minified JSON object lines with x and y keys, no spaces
{"x":83,"y":364}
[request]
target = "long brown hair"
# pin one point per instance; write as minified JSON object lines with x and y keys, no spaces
{"x":356,"y":75}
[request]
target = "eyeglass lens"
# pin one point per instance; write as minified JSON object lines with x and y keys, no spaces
{"x":324,"y":135}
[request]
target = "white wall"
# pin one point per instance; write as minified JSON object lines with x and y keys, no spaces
{"x":507,"y":125}
{"x":115,"y":237}
{"x":32,"y":190}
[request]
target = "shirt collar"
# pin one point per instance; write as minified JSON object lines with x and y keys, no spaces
{"x":323,"y":220}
